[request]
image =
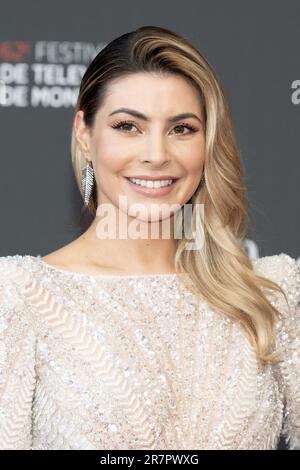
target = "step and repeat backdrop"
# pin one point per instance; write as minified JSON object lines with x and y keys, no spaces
{"x":44,"y":51}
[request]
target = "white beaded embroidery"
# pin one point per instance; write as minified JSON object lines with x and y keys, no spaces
{"x":139,"y":362}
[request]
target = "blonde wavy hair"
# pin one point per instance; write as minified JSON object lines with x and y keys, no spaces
{"x":220,"y":271}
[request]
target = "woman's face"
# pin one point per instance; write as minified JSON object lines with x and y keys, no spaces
{"x":153,"y":146}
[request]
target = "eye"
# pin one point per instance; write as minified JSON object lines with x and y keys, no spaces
{"x":122,"y":124}
{"x":191,"y":129}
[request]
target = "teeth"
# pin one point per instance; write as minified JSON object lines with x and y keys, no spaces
{"x":151,"y":184}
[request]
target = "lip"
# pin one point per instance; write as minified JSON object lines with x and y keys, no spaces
{"x":153,"y":178}
{"x":153,"y":192}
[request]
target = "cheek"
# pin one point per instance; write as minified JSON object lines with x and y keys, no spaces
{"x":192,"y":159}
{"x":193,"y":165}
{"x":109,"y":158}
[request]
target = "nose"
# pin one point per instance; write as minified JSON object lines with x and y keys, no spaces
{"x":156,"y":152}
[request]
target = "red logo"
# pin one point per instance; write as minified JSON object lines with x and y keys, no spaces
{"x":14,"y":51}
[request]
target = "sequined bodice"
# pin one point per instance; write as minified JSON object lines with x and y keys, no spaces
{"x":138,"y":362}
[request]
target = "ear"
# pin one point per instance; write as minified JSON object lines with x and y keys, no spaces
{"x":82,"y":133}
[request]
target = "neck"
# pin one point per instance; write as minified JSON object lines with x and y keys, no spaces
{"x":151,"y":254}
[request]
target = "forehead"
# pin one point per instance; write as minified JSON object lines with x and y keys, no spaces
{"x":152,"y":94}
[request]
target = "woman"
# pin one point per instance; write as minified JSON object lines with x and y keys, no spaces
{"x":127,"y":342}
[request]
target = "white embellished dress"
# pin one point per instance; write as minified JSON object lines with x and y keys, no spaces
{"x":139,"y":362}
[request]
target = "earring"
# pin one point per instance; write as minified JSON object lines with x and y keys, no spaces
{"x":87,"y":181}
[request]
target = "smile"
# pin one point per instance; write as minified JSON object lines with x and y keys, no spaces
{"x":152,"y":188}
{"x":151,"y":184}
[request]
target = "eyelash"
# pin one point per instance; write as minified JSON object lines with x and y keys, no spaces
{"x":119,"y":124}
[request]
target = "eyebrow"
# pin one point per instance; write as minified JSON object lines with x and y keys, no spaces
{"x":140,"y":115}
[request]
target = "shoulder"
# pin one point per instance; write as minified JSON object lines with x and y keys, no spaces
{"x":12,"y":264}
{"x":276,"y":265}
{"x":12,"y":278}
{"x":16,"y":320}
{"x":285,"y":271}
{"x":282,"y":269}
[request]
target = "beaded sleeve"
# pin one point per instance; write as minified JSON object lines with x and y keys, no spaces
{"x":287,"y":274}
{"x":289,"y":337}
{"x":17,"y":364}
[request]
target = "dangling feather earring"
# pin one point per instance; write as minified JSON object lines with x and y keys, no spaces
{"x":87,"y":182}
